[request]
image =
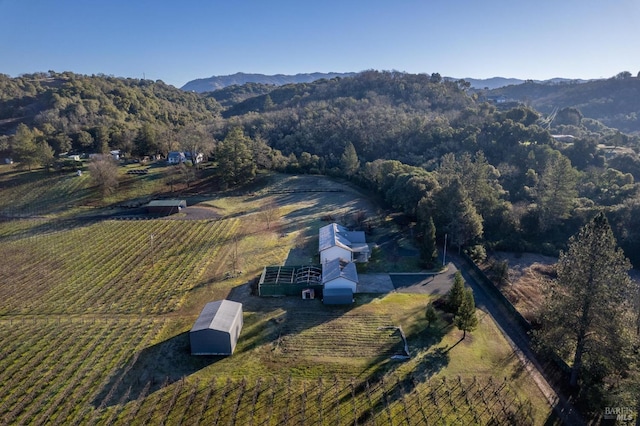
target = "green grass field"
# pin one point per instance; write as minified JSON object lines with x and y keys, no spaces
{"x":94,"y":321}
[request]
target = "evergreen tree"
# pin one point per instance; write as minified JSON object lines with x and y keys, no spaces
{"x":102,"y":140}
{"x":349,"y":162}
{"x":588,"y":315}
{"x":235,"y":162}
{"x":428,"y":250}
{"x":556,"y":190}
{"x":477,"y":176}
{"x":25,"y":148}
{"x":431,"y":315}
{"x":456,"y":293}
{"x":466,"y":318}
{"x":45,"y":154}
{"x":456,"y":214}
{"x":268,"y":103}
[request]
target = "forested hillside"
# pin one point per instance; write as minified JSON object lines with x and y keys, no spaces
{"x":489,"y":177}
{"x":210,"y":84}
{"x":614,"y":101}
{"x":412,"y":137}
{"x":72,"y":112}
{"x":235,"y":94}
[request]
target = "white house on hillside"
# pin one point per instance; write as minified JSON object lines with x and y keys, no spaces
{"x":336,"y":242}
{"x":176,"y":157}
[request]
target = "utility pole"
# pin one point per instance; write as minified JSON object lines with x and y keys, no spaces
{"x":444,"y":256}
{"x":153,"y":253}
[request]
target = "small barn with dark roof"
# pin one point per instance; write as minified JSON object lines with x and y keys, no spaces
{"x":165,"y":207}
{"x":217,"y":329}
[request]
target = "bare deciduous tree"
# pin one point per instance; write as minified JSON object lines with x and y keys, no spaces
{"x":270,"y":213}
{"x":104,"y":173}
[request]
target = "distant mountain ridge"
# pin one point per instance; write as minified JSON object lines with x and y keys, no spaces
{"x":213,"y":83}
{"x":497,"y":82}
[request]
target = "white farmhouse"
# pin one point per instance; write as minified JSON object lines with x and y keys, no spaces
{"x":337,"y":242}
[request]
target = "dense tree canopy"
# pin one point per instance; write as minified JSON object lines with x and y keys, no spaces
{"x":97,"y":111}
{"x":405,"y":136}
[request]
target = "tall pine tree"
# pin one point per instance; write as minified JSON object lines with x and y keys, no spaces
{"x":349,"y":162}
{"x":455,"y":296}
{"x":588,"y":316}
{"x":428,"y":249}
{"x":25,"y":148}
{"x":466,"y":318}
{"x":556,"y":190}
{"x":456,"y":214}
{"x":235,"y":162}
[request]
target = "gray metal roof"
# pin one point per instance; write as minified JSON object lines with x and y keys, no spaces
{"x":356,"y":237}
{"x":336,"y":268}
{"x":337,"y":235}
{"x":167,"y":203}
{"x":219,"y":315}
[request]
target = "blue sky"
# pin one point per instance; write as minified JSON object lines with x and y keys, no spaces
{"x":178,"y":41}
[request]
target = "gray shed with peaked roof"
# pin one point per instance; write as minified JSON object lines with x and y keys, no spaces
{"x":339,"y":282}
{"x":217,"y":329}
{"x":337,"y":273}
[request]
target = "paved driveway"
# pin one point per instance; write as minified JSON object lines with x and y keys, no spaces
{"x":375,"y":283}
{"x":426,"y":283}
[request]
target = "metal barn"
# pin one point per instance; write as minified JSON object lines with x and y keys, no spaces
{"x":217,"y":329}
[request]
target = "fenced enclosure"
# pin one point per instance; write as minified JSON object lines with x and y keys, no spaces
{"x":290,"y":280}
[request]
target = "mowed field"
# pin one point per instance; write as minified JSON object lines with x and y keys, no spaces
{"x":95,"y":314}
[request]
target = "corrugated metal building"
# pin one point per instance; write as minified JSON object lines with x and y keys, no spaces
{"x":339,"y":281}
{"x":217,"y":329}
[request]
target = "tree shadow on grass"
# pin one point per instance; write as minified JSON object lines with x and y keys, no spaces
{"x":152,"y":369}
{"x":431,"y":364}
{"x":432,"y":360}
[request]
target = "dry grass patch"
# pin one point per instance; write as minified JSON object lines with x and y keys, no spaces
{"x":527,"y":275}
